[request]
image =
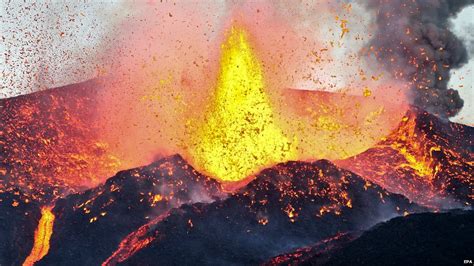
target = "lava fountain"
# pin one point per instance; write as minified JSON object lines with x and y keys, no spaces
{"x":238,"y":134}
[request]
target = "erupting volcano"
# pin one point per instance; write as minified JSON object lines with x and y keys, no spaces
{"x":255,"y":134}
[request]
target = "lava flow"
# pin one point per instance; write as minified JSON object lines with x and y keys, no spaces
{"x":135,"y":241}
{"x":42,"y":237}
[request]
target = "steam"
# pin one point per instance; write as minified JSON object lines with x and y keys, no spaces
{"x":414,"y":42}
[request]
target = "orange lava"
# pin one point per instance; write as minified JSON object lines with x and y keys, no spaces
{"x":50,"y":145}
{"x":134,"y":242}
{"x":419,"y":161}
{"x":42,"y":237}
{"x":300,"y":255}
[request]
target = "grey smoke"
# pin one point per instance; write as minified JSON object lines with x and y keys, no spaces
{"x":413,"y":41}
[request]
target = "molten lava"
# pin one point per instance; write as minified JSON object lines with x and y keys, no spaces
{"x":49,"y":143}
{"x":42,"y":237}
{"x":135,"y":241}
{"x":425,"y":159}
{"x":239,"y":135}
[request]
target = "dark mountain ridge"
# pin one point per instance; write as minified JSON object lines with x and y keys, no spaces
{"x":286,"y":206}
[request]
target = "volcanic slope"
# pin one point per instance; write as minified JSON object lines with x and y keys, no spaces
{"x":287,"y":206}
{"x":417,"y":239}
{"x":19,"y":216}
{"x":48,"y":142}
{"x":89,"y":226}
{"x":429,"y":160}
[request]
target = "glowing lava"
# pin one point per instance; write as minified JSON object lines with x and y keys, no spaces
{"x":135,"y":241}
{"x":50,"y":145}
{"x":239,"y":135}
{"x":42,"y":237}
{"x":425,"y":159}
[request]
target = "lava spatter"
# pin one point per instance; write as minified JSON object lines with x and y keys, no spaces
{"x":286,"y":206}
{"x":49,"y":145}
{"x":239,"y":135}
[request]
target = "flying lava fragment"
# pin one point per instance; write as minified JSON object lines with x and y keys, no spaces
{"x":239,"y":134}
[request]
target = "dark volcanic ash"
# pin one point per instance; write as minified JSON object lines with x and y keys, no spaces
{"x":413,"y":41}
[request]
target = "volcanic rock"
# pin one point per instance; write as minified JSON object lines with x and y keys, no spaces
{"x":19,"y":216}
{"x":287,"y":206}
{"x":417,"y":239}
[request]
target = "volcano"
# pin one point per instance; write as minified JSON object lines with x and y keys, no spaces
{"x":169,"y":212}
{"x":236,"y":133}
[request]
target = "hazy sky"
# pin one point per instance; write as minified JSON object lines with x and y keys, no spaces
{"x":50,"y":44}
{"x":463,"y":26}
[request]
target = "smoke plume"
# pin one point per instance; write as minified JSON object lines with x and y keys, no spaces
{"x":413,"y":41}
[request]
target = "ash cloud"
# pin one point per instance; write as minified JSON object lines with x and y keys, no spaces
{"x":413,"y":41}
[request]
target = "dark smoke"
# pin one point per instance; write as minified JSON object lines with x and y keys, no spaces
{"x":414,"y":43}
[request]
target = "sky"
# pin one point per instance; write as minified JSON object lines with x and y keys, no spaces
{"x":463,"y":78}
{"x":54,"y":43}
